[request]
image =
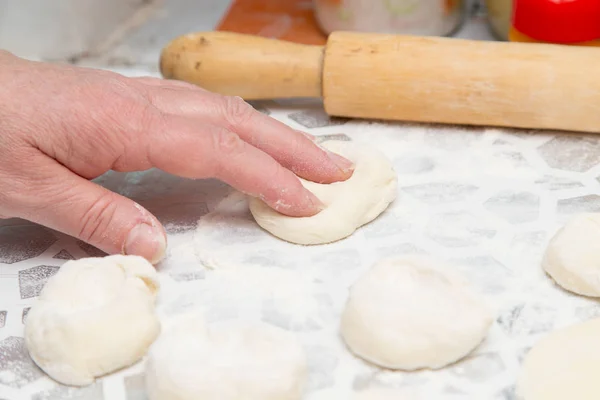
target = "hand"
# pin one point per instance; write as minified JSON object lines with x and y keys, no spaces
{"x":61,"y":126}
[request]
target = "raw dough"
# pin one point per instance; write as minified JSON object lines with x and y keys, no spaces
{"x":572,"y":258}
{"x":405,"y":313}
{"x":95,"y":316}
{"x":226,"y":361}
{"x":349,"y":204}
{"x":563,"y":365}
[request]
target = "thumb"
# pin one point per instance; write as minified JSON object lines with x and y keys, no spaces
{"x":83,"y":209}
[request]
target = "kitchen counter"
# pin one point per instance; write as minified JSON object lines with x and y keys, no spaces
{"x":485,"y":200}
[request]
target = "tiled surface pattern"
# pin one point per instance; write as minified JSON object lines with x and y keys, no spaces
{"x":486,"y":201}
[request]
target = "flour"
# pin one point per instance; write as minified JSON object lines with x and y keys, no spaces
{"x":256,"y":277}
{"x":249,"y":275}
{"x":283,"y":297}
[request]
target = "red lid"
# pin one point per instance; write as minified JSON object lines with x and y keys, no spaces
{"x":558,"y":21}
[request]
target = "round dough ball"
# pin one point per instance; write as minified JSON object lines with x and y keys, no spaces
{"x":349,"y":204}
{"x":563,"y":365}
{"x":406,"y":314}
{"x":227,"y":361}
{"x":572,"y":258}
{"x":95,"y":316}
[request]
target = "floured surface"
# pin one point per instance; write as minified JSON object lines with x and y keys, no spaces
{"x":483,"y":199}
{"x":225,"y":361}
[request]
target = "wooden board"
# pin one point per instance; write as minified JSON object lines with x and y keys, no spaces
{"x":291,"y":20}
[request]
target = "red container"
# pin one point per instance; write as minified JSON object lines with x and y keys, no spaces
{"x":575,"y":22}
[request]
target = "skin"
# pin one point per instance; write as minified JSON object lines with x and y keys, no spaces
{"x":61,"y":126}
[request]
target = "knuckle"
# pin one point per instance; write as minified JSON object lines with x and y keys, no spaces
{"x":123,"y":119}
{"x":136,"y":109}
{"x":21,"y":183}
{"x":227,"y":148}
{"x":227,"y":142}
{"x":124,"y":100}
{"x":237,"y":111}
{"x":149,"y":119}
{"x":97,"y":218}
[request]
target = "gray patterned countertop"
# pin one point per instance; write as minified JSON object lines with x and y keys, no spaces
{"x":485,"y":200}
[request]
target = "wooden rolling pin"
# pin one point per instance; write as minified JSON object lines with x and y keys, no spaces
{"x":392,"y":77}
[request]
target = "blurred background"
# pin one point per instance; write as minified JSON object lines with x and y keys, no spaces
{"x":131,"y":33}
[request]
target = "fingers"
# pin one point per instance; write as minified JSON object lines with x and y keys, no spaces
{"x":293,"y":149}
{"x":61,"y":200}
{"x":201,"y":151}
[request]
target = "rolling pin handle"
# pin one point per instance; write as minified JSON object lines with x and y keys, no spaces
{"x":248,"y":66}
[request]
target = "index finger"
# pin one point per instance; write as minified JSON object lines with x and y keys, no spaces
{"x":182,"y":147}
{"x":293,"y":149}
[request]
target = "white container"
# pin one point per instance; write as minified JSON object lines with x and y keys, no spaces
{"x":60,"y":29}
{"x":412,"y":17}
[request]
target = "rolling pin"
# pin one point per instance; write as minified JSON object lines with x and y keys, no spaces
{"x":404,"y":78}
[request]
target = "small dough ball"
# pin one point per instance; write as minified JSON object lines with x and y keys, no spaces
{"x":572,"y":258}
{"x":349,"y":204}
{"x":95,"y":316}
{"x":405,"y":313}
{"x":226,"y":361}
{"x":563,"y":365}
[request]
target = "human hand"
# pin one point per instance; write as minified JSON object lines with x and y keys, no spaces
{"x":61,"y":126}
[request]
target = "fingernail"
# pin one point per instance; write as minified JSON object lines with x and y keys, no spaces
{"x":314,"y":201}
{"x":146,"y":241}
{"x":343,"y":163}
